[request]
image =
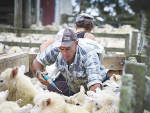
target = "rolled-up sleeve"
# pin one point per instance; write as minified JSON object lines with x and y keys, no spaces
{"x":48,"y":56}
{"x":92,"y":66}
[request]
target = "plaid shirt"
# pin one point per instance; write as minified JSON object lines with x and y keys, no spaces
{"x":86,"y":69}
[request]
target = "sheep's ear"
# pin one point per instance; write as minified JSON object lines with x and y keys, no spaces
{"x":82,"y":90}
{"x":22,"y":69}
{"x":47,"y":102}
{"x":14,"y":72}
{"x":114,"y":76}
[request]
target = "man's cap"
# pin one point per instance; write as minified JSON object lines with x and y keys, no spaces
{"x":84,"y":16}
{"x":65,"y":38}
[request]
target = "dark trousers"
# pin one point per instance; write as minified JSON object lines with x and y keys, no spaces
{"x":61,"y":83}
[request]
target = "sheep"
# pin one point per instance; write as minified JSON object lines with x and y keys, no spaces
{"x":106,"y":101}
{"x":111,"y":85}
{"x":116,"y":78}
{"x":52,"y":102}
{"x":13,"y":107}
{"x":79,"y":99}
{"x":19,"y":86}
{"x":3,"y":96}
{"x":16,"y":49}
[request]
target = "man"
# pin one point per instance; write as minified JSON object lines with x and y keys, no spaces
{"x":76,"y":62}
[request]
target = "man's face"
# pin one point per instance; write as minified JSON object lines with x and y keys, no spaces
{"x":68,"y":53}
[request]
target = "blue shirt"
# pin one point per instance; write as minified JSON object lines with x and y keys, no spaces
{"x":86,"y":69}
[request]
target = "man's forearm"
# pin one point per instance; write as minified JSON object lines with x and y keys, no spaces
{"x":37,"y":66}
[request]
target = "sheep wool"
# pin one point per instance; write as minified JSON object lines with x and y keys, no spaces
{"x":51,"y":102}
{"x":13,"y":107}
{"x":19,"y":86}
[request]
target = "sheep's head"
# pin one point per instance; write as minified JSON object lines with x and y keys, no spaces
{"x":116,"y":78}
{"x":111,"y":85}
{"x":94,"y":102}
{"x":40,"y":105}
{"x":7,"y":77}
{"x":78,"y":98}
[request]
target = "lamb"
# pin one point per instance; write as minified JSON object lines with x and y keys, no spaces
{"x":13,"y":107}
{"x":105,"y":102}
{"x":19,"y":86}
{"x":116,"y":78}
{"x":111,"y":85}
{"x":16,"y":49}
{"x":79,"y":99}
{"x":3,"y":96}
{"x":51,"y":102}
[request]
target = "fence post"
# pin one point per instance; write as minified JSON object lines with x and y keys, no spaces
{"x":127,"y":36}
{"x":134,"y":42}
{"x":127,"y":99}
{"x":18,"y":14}
{"x":139,"y":71}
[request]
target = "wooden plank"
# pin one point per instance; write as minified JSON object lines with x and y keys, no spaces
{"x":114,"y":62}
{"x":110,"y":35}
{"x":147,"y":94}
{"x":127,"y":98}
{"x":18,"y":14}
{"x":14,"y":59}
{"x":134,"y":42}
{"x":23,"y":44}
{"x":31,"y":73}
{"x":28,"y":31}
{"x":127,"y":50}
{"x":114,"y":49}
{"x":139,"y":71}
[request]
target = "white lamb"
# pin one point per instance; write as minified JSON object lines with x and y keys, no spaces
{"x":116,"y":78}
{"x":13,"y":107}
{"x":19,"y":86}
{"x":3,"y":96}
{"x":111,"y":85}
{"x":51,"y":102}
{"x":106,"y":101}
{"x":79,"y":99}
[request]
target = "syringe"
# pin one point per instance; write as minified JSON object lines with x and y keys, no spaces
{"x":47,"y":78}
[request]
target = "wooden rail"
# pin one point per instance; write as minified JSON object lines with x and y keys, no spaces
{"x":14,"y":59}
{"x":121,"y":19}
{"x":114,"y":64}
{"x":18,"y":31}
{"x":126,"y":37}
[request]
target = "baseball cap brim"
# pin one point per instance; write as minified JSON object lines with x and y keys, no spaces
{"x":62,"y":44}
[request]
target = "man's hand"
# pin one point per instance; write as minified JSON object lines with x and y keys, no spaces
{"x":42,"y":80}
{"x":93,"y":87}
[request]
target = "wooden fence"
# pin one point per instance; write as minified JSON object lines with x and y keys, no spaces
{"x":115,"y":21}
{"x":114,"y":64}
{"x":135,"y":86}
{"x":126,"y":37}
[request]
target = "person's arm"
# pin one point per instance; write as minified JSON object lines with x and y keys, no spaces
{"x":89,"y":36}
{"x":45,"y":58}
{"x":92,"y":66}
{"x":93,"y":87}
{"x":37,"y":67}
{"x":46,"y":44}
